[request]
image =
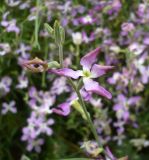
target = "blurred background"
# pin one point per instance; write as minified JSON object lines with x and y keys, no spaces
{"x":121,"y":29}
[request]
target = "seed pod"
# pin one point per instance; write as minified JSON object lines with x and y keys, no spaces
{"x":36,"y":65}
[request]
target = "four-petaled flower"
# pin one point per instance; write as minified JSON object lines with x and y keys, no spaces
{"x":9,"y":107}
{"x":89,"y":72}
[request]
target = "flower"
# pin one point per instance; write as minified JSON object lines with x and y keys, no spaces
{"x":61,"y":87}
{"x":9,"y":107}
{"x":87,"y":19}
{"x":23,"y":81}
{"x":4,"y":48}
{"x":122,"y":106}
{"x":127,"y":27}
{"x":91,"y":147}
{"x":77,"y":38}
{"x":136,"y":48}
{"x":144,"y":70}
{"x":12,"y":3}
{"x":62,"y":109}
{"x":35,"y":144}
{"x":89,"y":72}
{"x":36,"y":65}
{"x":5,"y":84}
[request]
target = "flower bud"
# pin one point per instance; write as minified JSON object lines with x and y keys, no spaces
{"x":36,"y":65}
{"x":77,"y":38}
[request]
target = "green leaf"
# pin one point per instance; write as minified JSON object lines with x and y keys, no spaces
{"x":76,"y":105}
{"x":49,"y":29}
{"x":24,"y":157}
{"x":53,"y":64}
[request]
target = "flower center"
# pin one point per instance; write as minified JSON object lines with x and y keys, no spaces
{"x":86,"y":73}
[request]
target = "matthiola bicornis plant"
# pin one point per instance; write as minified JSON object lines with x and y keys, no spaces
{"x":89,"y":72}
{"x":82,"y":93}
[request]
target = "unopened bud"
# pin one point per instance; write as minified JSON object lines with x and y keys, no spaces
{"x":36,"y":65}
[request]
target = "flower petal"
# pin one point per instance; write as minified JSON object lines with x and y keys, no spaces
{"x":66,"y":72}
{"x":99,"y":70}
{"x":63,"y":109}
{"x":89,"y":59}
{"x":94,"y":87}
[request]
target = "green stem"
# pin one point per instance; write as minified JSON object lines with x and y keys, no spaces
{"x":77,"y":55}
{"x":61,"y":55}
{"x":91,"y":124}
{"x":86,"y":112}
{"x":36,"y":43}
{"x":44,"y":73}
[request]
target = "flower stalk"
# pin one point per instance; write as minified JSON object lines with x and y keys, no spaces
{"x":87,"y":115}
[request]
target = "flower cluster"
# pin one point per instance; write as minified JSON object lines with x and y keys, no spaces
{"x":114,"y":89}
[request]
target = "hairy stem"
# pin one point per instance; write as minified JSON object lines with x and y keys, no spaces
{"x":36,"y":43}
{"x":77,"y":90}
{"x":77,"y":55}
{"x":60,"y":46}
{"x":44,"y":73}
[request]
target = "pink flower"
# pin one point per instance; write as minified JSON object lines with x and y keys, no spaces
{"x":62,"y":109}
{"x":89,"y":72}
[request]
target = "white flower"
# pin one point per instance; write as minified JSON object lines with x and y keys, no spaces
{"x":115,"y":48}
{"x":77,"y":38}
{"x":4,"y":48}
{"x":87,"y":19}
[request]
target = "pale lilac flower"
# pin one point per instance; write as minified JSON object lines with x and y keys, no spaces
{"x":61,"y":87}
{"x":23,"y":81}
{"x":123,"y":79}
{"x":141,"y":10}
{"x":38,"y":123}
{"x":127,"y":27}
{"x":87,"y":38}
{"x":33,"y":13}
{"x":115,"y":7}
{"x":136,"y":48}
{"x":23,"y":49}
{"x":10,"y":25}
{"x":35,"y":144}
{"x":103,"y":124}
{"x":23,"y":53}
{"x":41,"y":101}
{"x":12,"y":3}
{"x":120,"y":126}
{"x":144,"y":70}
{"x":4,"y":48}
{"x":24,"y":5}
{"x":44,"y":127}
{"x":9,"y":107}
{"x":109,"y":154}
{"x":90,"y":71}
{"x":95,"y":102}
{"x":146,"y":40}
{"x":119,"y":138}
{"x":5,"y":84}
{"x":122,"y":106}
{"x":88,"y":19}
